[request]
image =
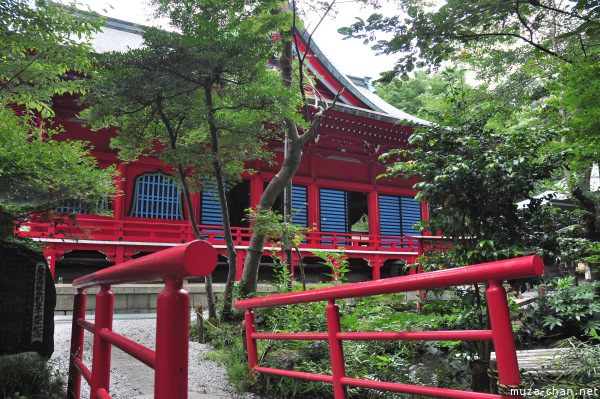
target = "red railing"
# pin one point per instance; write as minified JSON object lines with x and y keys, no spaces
{"x":106,"y":229}
{"x":501,"y":332}
{"x":170,"y":360}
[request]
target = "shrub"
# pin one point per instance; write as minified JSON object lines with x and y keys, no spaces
{"x":29,"y":376}
{"x":567,"y":309}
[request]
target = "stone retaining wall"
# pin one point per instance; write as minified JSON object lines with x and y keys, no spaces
{"x":133,"y":298}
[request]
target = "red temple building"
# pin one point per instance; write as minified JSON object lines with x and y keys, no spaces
{"x":335,"y":191}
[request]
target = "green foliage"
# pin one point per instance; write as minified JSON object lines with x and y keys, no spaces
{"x":38,"y":45}
{"x":495,"y":34}
{"x":336,"y":261}
{"x":28,"y":376}
{"x":575,"y":97}
{"x":540,"y":59}
{"x":421,"y":94}
{"x":38,"y":174}
{"x":472,"y":175}
{"x":39,"y":170}
{"x":166,"y":97}
{"x":271,"y":224}
{"x":201,"y":99}
{"x":568,"y":309}
{"x":402,"y":362}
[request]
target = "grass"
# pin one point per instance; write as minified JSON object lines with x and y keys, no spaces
{"x":29,"y":376}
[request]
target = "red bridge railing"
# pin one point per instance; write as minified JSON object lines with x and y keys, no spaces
{"x":170,"y":360}
{"x":501,"y":332}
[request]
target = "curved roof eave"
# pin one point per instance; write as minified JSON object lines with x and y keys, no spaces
{"x":380,"y":110}
{"x":409,"y":121}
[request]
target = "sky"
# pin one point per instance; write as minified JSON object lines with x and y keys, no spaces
{"x":350,"y":56}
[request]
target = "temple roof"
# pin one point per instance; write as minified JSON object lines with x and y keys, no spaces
{"x":358,"y":98}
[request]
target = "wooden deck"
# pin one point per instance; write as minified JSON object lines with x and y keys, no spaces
{"x":540,"y":361}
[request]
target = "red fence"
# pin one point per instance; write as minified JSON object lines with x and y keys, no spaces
{"x":106,"y":229}
{"x":501,"y":332}
{"x":170,"y":360}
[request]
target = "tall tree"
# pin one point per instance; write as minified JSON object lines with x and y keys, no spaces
{"x":502,"y":32}
{"x":38,"y":172}
{"x":199,"y":99}
{"x":421,"y":93}
{"x":473,"y":171}
{"x":547,"y":49}
{"x":297,"y":129}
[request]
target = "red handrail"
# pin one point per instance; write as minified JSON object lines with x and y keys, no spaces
{"x":501,"y":332}
{"x":98,"y":228}
{"x":170,"y":360}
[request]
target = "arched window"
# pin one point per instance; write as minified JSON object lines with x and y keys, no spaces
{"x":156,"y":195}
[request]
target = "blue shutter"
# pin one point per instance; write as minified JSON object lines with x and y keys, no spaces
{"x":333,"y":205}
{"x":389,"y":215}
{"x":334,"y":210}
{"x":397,"y":215}
{"x":157,"y":196}
{"x":300,"y":205}
{"x":411,"y":214}
{"x":211,"y":209}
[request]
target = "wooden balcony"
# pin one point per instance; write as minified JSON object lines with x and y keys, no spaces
{"x":120,"y":239}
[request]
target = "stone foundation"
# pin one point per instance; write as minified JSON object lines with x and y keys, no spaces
{"x":134,"y":298}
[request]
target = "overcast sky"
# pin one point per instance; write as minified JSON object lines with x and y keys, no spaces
{"x":350,"y":56}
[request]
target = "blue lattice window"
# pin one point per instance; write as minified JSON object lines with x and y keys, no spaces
{"x":81,"y":208}
{"x":156,"y":195}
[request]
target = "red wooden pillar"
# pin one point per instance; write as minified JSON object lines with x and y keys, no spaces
{"x":376,"y":265}
{"x":50,"y":256}
{"x":425,"y":215}
{"x":251,"y":342}
{"x":256,"y":190}
{"x":336,"y":350}
{"x":313,"y":206}
{"x":119,"y":201}
{"x":120,"y":254}
{"x":374,"y":228}
{"x":76,"y":354}
{"x":314,"y":219}
{"x":240,"y":259}
{"x":196,"y":208}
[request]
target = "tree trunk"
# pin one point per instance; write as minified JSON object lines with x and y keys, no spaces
{"x":212,"y":310}
{"x":249,"y":281}
{"x":290,"y":165}
{"x":226,"y":311}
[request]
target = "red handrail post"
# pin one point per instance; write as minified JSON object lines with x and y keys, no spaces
{"x":251,"y":342}
{"x":336,"y":349}
{"x":101,"y":352}
{"x":74,"y":384}
{"x":172,"y":336}
{"x":502,"y":335}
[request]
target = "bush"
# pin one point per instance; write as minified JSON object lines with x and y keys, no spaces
{"x":408,"y":362}
{"x":567,"y":309}
{"x":29,"y":376}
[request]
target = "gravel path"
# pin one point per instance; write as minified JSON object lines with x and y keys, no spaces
{"x":132,"y":379}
